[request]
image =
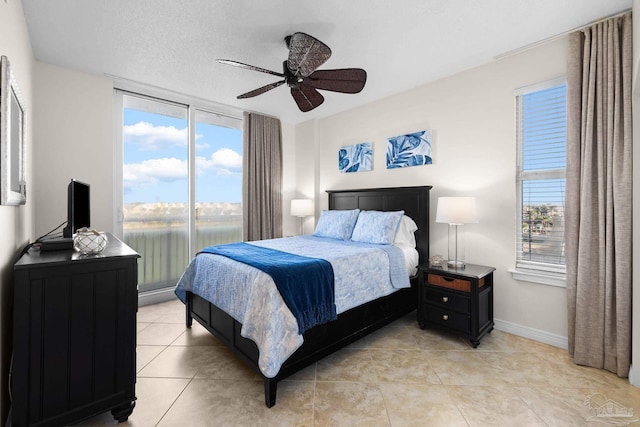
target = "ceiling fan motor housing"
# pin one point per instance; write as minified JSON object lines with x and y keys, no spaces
{"x":290,"y":78}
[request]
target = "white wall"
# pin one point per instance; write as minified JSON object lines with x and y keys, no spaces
{"x":306,"y":169}
{"x":289,"y":226}
{"x":73,"y":139}
{"x":16,"y":222}
{"x":472,"y":117}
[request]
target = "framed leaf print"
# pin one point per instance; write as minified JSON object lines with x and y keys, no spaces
{"x":355,"y":158}
{"x":413,"y":149}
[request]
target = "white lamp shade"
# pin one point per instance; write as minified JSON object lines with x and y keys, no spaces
{"x":456,"y":210}
{"x":301,"y":207}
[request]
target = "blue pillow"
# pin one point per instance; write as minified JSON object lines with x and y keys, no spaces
{"x":336,"y":224}
{"x":377,"y":227}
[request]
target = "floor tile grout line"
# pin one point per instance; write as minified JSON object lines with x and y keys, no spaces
{"x":538,"y":416}
{"x":377,"y":383}
{"x":446,"y":390}
{"x":174,"y":401}
{"x":152,"y":359}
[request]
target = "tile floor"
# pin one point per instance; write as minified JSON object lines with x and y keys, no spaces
{"x":398,"y":376}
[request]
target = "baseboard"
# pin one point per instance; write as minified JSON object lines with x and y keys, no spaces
{"x":531,"y":333}
{"x":155,"y":297}
{"x":634,"y":375}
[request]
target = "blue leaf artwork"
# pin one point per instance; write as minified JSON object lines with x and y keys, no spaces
{"x":413,"y":149}
{"x":355,"y":158}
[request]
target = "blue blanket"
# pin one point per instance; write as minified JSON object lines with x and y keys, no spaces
{"x":306,"y":284}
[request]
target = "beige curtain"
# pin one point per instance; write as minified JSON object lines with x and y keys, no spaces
{"x":262,"y":181}
{"x":598,"y":195}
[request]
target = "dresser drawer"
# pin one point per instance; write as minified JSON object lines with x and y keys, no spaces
{"x":448,"y":300}
{"x":449,"y":282}
{"x":449,"y":319}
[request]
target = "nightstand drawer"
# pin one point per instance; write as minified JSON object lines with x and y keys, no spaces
{"x":448,"y":300}
{"x":449,"y":319}
{"x":449,"y":282}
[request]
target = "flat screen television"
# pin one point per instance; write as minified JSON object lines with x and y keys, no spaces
{"x":78,"y":208}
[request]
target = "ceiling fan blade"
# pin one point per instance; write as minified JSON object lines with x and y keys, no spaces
{"x":306,"y":97}
{"x":306,"y":54}
{"x":345,"y":80}
{"x":261,"y":90}
{"x":248,"y":67}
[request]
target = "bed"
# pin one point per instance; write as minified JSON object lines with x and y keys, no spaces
{"x":350,"y":325}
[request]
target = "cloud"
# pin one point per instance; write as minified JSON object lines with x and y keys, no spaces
{"x":167,"y":169}
{"x":150,"y":137}
{"x":227,"y":158}
{"x":225,"y":161}
{"x":154,"y":170}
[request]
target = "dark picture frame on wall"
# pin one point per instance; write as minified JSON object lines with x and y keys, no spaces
{"x":13,"y":187}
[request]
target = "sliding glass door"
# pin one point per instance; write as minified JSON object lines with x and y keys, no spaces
{"x":181,"y":184}
{"x":218,"y":180}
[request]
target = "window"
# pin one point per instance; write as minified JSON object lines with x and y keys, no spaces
{"x":180,"y":184}
{"x":541,"y":121}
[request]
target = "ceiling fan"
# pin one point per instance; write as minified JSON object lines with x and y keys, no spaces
{"x":306,"y":54}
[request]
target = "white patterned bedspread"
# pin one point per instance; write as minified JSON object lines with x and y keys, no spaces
{"x":362,"y":274}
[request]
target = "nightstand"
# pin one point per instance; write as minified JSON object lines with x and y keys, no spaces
{"x":457,"y":300}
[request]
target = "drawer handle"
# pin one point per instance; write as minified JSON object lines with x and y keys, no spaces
{"x":445,"y":299}
{"x":448,"y":279}
{"x":445,"y":317}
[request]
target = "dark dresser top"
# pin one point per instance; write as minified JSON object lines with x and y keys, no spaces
{"x":115,"y":248}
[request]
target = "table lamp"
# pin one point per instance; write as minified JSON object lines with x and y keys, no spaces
{"x":301,"y":208}
{"x":456,"y":211}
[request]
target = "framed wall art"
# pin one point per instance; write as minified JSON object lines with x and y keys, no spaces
{"x":355,"y":158}
{"x":412,"y":149}
{"x":13,"y":188}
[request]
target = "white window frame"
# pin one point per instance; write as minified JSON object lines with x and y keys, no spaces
{"x":531,"y":271}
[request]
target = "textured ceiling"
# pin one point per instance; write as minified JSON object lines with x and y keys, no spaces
{"x":401,"y":44}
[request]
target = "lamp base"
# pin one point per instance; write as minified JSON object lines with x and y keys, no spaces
{"x":301,"y":229}
{"x":456,"y":264}
{"x":456,"y":246}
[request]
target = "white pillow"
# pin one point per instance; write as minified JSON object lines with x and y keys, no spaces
{"x":376,"y":227}
{"x":337,"y":224}
{"x":406,"y":232}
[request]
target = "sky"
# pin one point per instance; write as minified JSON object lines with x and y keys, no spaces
{"x":156,"y":166}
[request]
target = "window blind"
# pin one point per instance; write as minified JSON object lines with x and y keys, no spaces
{"x":541,"y":116}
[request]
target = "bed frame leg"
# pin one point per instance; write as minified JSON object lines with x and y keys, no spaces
{"x":270,"y":388}
{"x":188,"y":305}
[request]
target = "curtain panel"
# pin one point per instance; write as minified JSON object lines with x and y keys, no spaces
{"x":599,"y":195}
{"x":262,"y":180}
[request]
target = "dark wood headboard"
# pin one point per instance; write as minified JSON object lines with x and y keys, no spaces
{"x":413,"y":200}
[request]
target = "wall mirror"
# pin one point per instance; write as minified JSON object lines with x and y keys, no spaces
{"x":13,"y":188}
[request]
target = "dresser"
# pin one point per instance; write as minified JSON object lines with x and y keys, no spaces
{"x":74,"y":335}
{"x":458,"y":300}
